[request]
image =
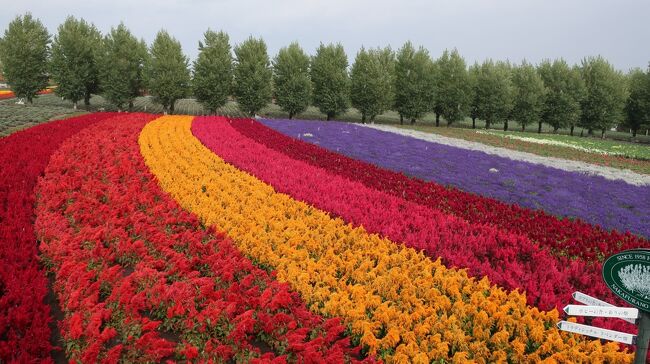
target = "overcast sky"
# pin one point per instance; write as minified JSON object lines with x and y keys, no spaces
{"x":500,"y":29}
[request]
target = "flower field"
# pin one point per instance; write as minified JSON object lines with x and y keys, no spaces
{"x":210,"y":239}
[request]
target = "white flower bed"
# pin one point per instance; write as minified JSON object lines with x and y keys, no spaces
{"x":550,"y":142}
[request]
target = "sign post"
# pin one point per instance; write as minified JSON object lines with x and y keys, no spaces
{"x":642,"y":338}
{"x":627,"y":274}
{"x":593,"y":301}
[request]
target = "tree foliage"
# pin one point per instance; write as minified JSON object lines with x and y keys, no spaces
{"x":213,"y":71}
{"x":253,"y":75}
{"x":453,"y":89}
{"x":494,"y":94}
{"x":604,"y":101}
{"x":168,"y":76}
{"x":122,"y":66}
{"x":372,"y":82}
{"x":293,"y":86}
{"x":637,"y":106}
{"x":74,"y":65}
{"x":473,"y":73}
{"x":24,"y":52}
{"x":414,"y":84}
{"x":564,"y":92}
{"x":329,"y":75}
{"x":529,"y":93}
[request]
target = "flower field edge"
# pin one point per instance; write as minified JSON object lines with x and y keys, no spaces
{"x":141,"y":280}
{"x":24,"y":315}
{"x":572,"y":238}
{"x":399,"y":303}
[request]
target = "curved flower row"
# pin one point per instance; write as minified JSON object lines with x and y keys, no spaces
{"x":508,"y":260}
{"x":574,"y":238}
{"x":24,"y":314}
{"x":141,"y":280}
{"x":614,"y":204}
{"x":399,"y":303}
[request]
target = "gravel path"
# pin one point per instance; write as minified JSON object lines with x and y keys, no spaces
{"x":563,"y":164}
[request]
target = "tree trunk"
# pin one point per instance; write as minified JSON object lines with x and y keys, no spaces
{"x":130,"y":105}
{"x":523,"y":127}
{"x":487,"y":124}
{"x":412,"y":121}
{"x":602,"y":134}
{"x":363,"y":118}
{"x":74,"y":105}
{"x":449,"y":122}
{"x":634,"y":133}
{"x":539,"y":128}
{"x":329,"y":116}
{"x":572,"y":126}
{"x":290,"y":115}
{"x":474,"y":123}
{"x":590,"y":131}
{"x":171,"y":107}
{"x":401,"y":119}
{"x":505,"y":125}
{"x":555,"y":128}
{"x":582,"y":132}
{"x":87,"y":99}
{"x":437,"y":119}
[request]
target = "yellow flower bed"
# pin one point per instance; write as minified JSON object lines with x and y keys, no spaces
{"x":403,"y":306}
{"x":4,"y":92}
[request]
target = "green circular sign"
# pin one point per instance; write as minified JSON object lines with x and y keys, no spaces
{"x":627,"y":274}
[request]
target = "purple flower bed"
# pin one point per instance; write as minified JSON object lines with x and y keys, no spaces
{"x":611,"y":204}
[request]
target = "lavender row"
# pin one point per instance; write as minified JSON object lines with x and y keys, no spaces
{"x":610,"y":204}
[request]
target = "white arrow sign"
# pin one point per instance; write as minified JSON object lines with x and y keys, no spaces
{"x":601,"y":311}
{"x":597,"y":332}
{"x":593,"y":301}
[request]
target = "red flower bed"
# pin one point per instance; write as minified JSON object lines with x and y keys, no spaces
{"x":24,"y":315}
{"x":574,"y":238}
{"x":509,"y":260}
{"x":10,"y":95}
{"x":141,"y":279}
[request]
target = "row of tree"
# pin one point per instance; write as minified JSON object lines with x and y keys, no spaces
{"x":117,"y":65}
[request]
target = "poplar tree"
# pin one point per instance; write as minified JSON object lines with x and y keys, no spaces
{"x":494,"y":93}
{"x":122,"y":67}
{"x":253,"y":75}
{"x":329,"y":75}
{"x":24,"y":52}
{"x":414,"y":84}
{"x":293,"y":86}
{"x":74,"y":65}
{"x":605,"y":95}
{"x":453,"y":89}
{"x":529,"y":93}
{"x":474,"y":71}
{"x":213,"y":74}
{"x":637,"y":106}
{"x":372,"y":82}
{"x":168,"y":76}
{"x":564,"y":91}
